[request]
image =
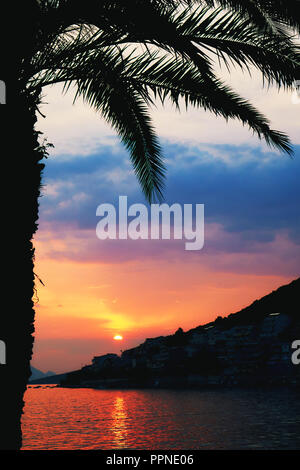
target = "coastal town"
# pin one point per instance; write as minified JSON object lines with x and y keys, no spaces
{"x":250,"y":348}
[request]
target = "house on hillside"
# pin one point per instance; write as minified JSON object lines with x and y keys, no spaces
{"x":273,"y":324}
{"x":105,"y":362}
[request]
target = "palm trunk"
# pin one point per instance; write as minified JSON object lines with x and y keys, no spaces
{"x":21,"y":177}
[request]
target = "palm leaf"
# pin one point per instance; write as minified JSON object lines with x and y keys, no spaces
{"x":122,"y":55}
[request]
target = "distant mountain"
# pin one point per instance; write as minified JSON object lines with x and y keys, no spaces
{"x":38,"y":374}
{"x":48,"y":379}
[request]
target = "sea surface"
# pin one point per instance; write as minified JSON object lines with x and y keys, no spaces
{"x":62,"y":418}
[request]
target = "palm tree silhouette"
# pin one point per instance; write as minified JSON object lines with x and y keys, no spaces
{"x":120,"y":55}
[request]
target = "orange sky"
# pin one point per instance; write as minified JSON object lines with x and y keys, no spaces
{"x":84,"y":304}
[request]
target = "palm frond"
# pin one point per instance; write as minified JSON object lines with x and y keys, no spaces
{"x":180,"y":80}
{"x":123,"y":54}
{"x":107,"y":90}
{"x":236,"y":40}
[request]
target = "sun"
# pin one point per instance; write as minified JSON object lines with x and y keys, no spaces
{"x":118,"y":337}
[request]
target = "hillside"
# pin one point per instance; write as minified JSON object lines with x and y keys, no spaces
{"x":285,"y":299}
{"x":249,"y":347}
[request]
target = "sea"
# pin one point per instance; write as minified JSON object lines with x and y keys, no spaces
{"x":153,"y":419}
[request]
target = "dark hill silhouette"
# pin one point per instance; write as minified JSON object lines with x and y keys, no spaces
{"x":243,"y":349}
{"x":286,"y":299}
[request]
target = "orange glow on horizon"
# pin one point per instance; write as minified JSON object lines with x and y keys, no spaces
{"x":84,"y":305}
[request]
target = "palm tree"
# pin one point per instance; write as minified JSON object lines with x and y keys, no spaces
{"x":120,"y":55}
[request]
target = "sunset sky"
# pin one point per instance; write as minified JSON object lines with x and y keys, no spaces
{"x":96,"y":289}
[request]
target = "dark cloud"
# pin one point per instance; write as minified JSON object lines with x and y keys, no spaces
{"x":251,"y":199}
{"x":247,"y":192}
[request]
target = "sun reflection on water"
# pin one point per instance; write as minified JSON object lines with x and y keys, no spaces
{"x":119,"y":422}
